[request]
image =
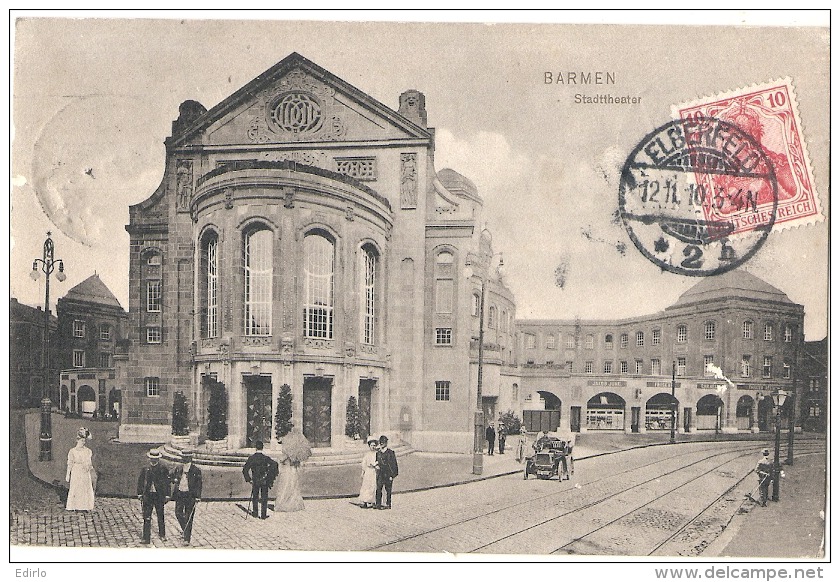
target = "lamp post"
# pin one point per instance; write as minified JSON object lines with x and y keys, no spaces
{"x":779,"y":397}
{"x":673,"y":402}
{"x":478,"y":437}
{"x":47,"y":266}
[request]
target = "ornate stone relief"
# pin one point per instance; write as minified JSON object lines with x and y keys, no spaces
{"x":228,"y":198}
{"x":363,"y":169}
{"x":309,"y":158}
{"x":408,"y":180}
{"x":319,"y":344}
{"x":183,"y":184}
{"x":256,"y":341}
{"x":298,"y":108}
{"x":289,"y":197}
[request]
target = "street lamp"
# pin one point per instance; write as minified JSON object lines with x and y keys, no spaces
{"x":47,"y":265}
{"x":478,"y":437}
{"x":673,"y":402}
{"x":779,"y":397}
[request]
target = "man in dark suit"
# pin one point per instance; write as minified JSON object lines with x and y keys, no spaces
{"x":490,"y":435}
{"x":388,"y":470}
{"x":186,"y":493}
{"x":260,"y":471}
{"x":153,"y":490}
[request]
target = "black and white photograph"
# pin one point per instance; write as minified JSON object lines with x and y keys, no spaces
{"x":374,"y":290}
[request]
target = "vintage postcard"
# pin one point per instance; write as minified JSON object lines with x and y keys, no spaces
{"x":418,"y":291}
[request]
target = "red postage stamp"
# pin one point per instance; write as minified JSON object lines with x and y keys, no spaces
{"x":768,"y":113}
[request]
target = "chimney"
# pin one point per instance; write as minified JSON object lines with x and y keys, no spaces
{"x":413,"y":107}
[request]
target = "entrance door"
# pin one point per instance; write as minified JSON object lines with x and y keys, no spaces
{"x":258,"y":389}
{"x":687,"y":419}
{"x":365,"y":391}
{"x":574,"y":420}
{"x":317,"y":411}
{"x":488,"y":404}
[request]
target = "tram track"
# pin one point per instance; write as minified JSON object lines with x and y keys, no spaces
{"x":563,"y":496}
{"x":691,"y":481}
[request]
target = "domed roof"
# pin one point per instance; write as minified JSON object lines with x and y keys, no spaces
{"x":458,"y":184}
{"x":93,"y":290}
{"x":735,"y":283}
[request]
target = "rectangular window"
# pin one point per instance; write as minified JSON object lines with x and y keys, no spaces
{"x":105,"y":332}
{"x":549,"y":341}
{"x":708,"y":361}
{"x":767,"y":369}
{"x":587,"y":367}
{"x":152,"y":386}
{"x":624,"y":340}
{"x":640,"y":338}
{"x":786,"y":371}
{"x":153,"y":289}
{"x":655,"y":367}
{"x":622,"y":367}
{"x":748,"y":330}
{"x":682,"y":334}
{"x":78,"y":358}
{"x":570,"y":366}
{"x":78,"y":328}
{"x":788,"y":334}
{"x":442,"y":390}
{"x":443,"y":336}
{"x":590,"y":342}
{"x":369,"y":295}
{"x":212,"y":318}
{"x":530,"y":341}
{"x":745,"y":366}
{"x":709,"y":330}
{"x":639,"y":365}
{"x":657,"y":337}
{"x":571,"y":343}
{"x":153,"y":335}
{"x":443,"y":296}
{"x":681,"y":366}
{"x":608,"y":367}
{"x":768,"y":332}
{"x":104,"y":360}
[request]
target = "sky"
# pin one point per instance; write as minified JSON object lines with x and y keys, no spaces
{"x":93,"y":101}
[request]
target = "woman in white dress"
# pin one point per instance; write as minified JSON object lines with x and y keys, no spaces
{"x":80,"y":474}
{"x":367,"y":494}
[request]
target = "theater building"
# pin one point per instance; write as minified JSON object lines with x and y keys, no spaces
{"x":617,"y":374}
{"x":301,"y":236}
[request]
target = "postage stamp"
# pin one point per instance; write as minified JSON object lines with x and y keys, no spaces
{"x":769,"y":114}
{"x":698,"y":196}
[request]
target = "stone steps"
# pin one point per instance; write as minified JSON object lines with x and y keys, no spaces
{"x":236,"y":458}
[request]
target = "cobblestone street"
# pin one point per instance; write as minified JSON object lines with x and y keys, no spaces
{"x":664,"y":500}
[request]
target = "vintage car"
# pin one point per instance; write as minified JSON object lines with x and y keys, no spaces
{"x":552,"y":456}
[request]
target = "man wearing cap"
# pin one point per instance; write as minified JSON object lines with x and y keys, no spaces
{"x":764,"y":468}
{"x":186,"y":493}
{"x":153,"y":489}
{"x":388,"y":470}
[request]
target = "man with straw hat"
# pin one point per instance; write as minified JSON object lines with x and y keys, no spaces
{"x":186,"y":493}
{"x":153,"y":490}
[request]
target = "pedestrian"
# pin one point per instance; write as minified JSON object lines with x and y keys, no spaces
{"x":370,"y":469}
{"x":388,"y":470}
{"x":186,"y":493}
{"x":502,"y":436}
{"x":80,"y":474}
{"x":260,"y":471}
{"x":153,"y":490}
{"x":490,"y":435}
{"x":764,"y":468}
{"x":520,"y":447}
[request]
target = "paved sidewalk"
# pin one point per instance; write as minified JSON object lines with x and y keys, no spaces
{"x":792,"y":527}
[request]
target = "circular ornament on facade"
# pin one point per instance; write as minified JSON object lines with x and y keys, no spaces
{"x":296,"y":112}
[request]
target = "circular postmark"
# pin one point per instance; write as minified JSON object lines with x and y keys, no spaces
{"x":698,"y":196}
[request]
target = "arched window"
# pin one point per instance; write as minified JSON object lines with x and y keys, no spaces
{"x":476,"y":304}
{"x":209,"y":285}
{"x":503,"y":319}
{"x":369,"y":266}
{"x":444,"y":282}
{"x":608,"y":341}
{"x":319,"y":265}
{"x":258,"y":275}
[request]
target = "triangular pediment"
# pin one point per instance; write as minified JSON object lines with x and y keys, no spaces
{"x":296,"y":101}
